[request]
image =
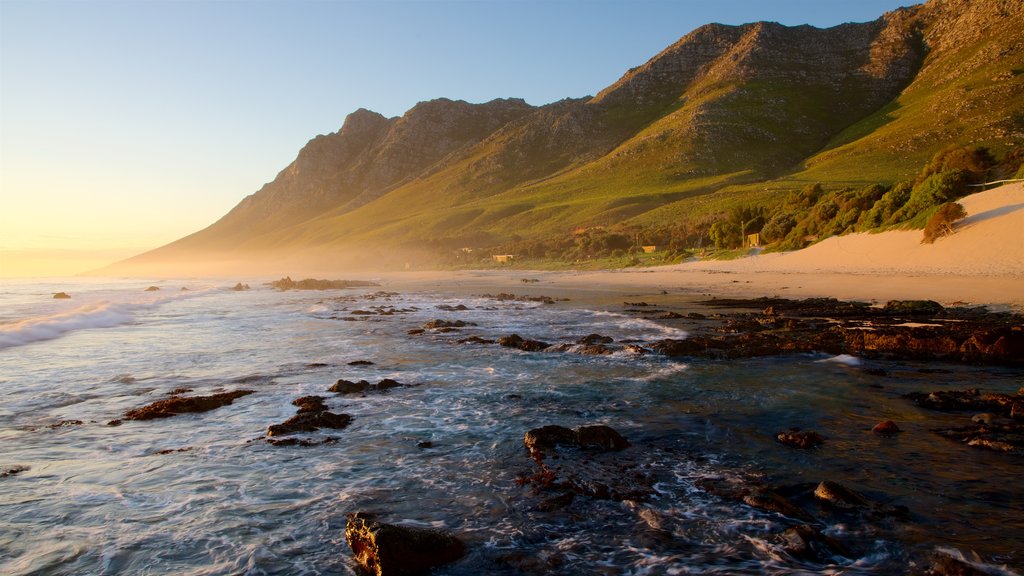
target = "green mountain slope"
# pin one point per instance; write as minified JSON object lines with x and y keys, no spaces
{"x":726,"y":115}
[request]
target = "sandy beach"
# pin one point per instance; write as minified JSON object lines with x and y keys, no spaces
{"x":982,"y":263}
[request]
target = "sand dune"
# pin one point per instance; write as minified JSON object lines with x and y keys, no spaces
{"x":990,"y":241}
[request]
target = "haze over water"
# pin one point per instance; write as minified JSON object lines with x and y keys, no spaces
{"x":108,"y":499}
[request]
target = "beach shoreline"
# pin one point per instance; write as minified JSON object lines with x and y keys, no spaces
{"x":981,"y":264}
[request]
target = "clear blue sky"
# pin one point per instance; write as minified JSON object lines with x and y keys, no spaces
{"x":126,"y":125}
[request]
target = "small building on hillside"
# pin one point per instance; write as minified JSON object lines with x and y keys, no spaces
{"x":649,"y":249}
{"x":753,"y":240}
{"x":502,"y":258}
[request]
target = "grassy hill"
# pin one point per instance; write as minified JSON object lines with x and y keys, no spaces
{"x":728,"y":118}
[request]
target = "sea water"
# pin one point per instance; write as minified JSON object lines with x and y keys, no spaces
{"x":206,"y":494}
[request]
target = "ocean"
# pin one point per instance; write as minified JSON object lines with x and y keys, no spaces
{"x":205,"y":493}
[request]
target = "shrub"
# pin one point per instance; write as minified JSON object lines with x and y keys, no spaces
{"x":975,"y":160}
{"x":725,"y":235}
{"x":941,"y":223}
{"x":885,"y":207}
{"x":778,"y":226}
{"x":935,"y":190}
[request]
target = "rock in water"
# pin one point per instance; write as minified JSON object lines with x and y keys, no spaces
{"x":185,"y":404}
{"x":840,"y":496}
{"x":61,"y":295}
{"x":387,"y":549}
{"x":886,"y":428}
{"x":800,"y":439}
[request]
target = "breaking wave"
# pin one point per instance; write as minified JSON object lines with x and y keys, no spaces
{"x":101,"y":314}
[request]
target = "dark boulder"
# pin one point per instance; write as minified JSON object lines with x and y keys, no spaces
{"x":387,"y":384}
{"x":310,"y":404}
{"x":839,"y":496}
{"x":516,"y":341}
{"x":184,"y":404}
{"x":309,"y":422}
{"x":360,"y":363}
{"x":387,"y":549}
{"x":348,"y":387}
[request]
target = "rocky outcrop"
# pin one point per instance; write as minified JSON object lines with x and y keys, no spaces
{"x":583,"y":461}
{"x":311,"y":416}
{"x":393,"y":550}
{"x":185,"y":404}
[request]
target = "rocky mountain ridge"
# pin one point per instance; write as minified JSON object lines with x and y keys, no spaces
{"x":724,"y":105}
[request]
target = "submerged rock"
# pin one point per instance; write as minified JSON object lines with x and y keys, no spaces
{"x":771,"y":501}
{"x":152,"y":289}
{"x":388,"y":549}
{"x":437,"y":324}
{"x":886,"y":428}
{"x":808,"y":543}
{"x":1007,"y":437}
{"x":185,"y":404}
{"x":588,"y":466}
{"x":800,"y":439}
{"x":14,"y":470}
{"x":303,"y":442}
{"x":61,"y":295}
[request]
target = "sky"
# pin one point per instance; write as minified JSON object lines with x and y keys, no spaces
{"x":125,"y":125}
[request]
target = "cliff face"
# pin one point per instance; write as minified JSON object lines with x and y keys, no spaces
{"x":723,"y":104}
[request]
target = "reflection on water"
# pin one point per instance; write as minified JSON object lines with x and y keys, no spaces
{"x":99,"y":499}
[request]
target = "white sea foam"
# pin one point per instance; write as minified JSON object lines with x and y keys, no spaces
{"x":100,"y":314}
{"x":642,"y":325}
{"x":845,"y":359}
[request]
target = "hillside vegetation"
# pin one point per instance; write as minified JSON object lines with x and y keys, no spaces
{"x":794,"y":132}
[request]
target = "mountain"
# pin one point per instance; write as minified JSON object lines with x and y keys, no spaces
{"x":727,"y":114}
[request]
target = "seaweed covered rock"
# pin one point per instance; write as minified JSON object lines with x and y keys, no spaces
{"x":392,"y":550}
